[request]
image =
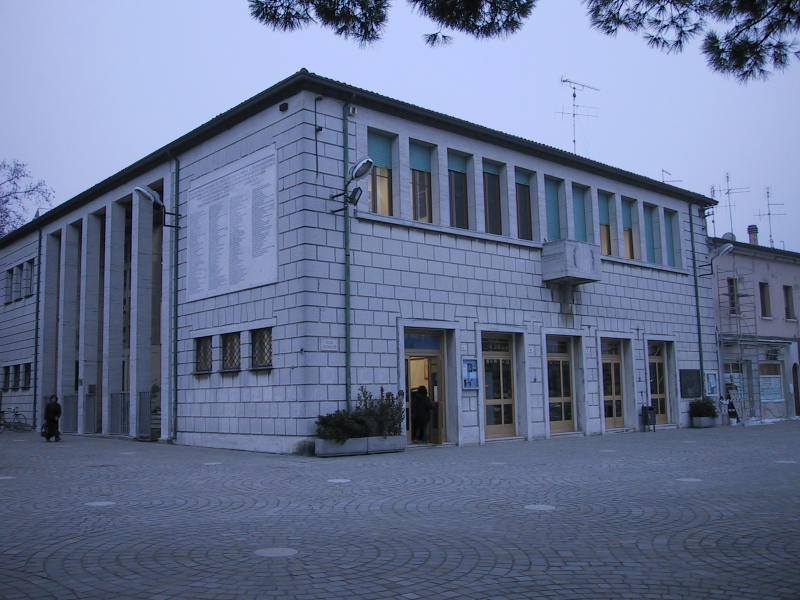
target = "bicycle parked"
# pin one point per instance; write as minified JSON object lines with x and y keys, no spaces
{"x":14,"y":420}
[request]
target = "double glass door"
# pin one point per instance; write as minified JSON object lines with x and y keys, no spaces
{"x":559,"y":385}
{"x":658,"y":383}
{"x":498,"y":386}
{"x":613,"y":404}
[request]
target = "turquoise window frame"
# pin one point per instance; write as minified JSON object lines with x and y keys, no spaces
{"x":669,"y":232}
{"x":379,"y":148}
{"x":650,"y":232}
{"x":579,"y":213}
{"x":552,"y":204}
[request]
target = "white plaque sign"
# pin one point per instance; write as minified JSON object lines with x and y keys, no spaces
{"x":233,"y":227}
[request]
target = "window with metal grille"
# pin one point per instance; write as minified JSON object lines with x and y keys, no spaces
{"x":15,"y":377}
{"x":202,"y":354}
{"x":26,"y":376}
{"x":6,"y":377}
{"x":231,"y":351}
{"x":261,"y":343}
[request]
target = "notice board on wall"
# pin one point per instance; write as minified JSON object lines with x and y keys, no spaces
{"x":233,"y":227}
{"x":690,"y":383}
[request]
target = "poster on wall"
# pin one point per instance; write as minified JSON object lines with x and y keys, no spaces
{"x":469,"y":374}
{"x":233,"y":227}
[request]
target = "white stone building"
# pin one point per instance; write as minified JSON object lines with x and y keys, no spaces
{"x":757,"y":290}
{"x":200,"y":295}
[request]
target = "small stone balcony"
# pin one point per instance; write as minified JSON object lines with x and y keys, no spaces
{"x":569,"y":262}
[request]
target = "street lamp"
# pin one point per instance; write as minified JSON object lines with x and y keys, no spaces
{"x":357,"y":171}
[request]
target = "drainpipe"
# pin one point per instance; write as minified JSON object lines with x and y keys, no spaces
{"x":36,"y":327}
{"x":175,"y":172}
{"x":697,"y":303}
{"x":346,"y":215}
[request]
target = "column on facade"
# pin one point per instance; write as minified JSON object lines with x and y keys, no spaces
{"x":540,"y":207}
{"x":89,"y":323}
{"x":617,"y":226}
{"x":69,"y":290}
{"x":141,"y":312}
{"x":510,"y":225}
{"x":443,"y":197}
{"x":477,"y":215}
{"x":48,"y":314}
{"x":594,"y":212}
{"x":113,"y":291}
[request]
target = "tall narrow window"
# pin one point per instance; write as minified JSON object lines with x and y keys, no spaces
{"x":231,"y":352}
{"x":459,"y":200}
{"x":202,"y":354}
{"x":491,"y":198}
{"x":627,"y":227}
{"x":379,"y":147}
{"x":670,"y":226}
{"x":733,"y":296}
{"x":27,"y":278}
{"x":552,"y":203}
{"x":6,"y":377}
{"x":604,"y":208}
{"x":26,"y":376}
{"x":650,"y":232}
{"x":9,"y":285}
{"x":261,"y":344}
{"x":17,"y":282}
{"x":15,"y":372}
{"x":421,"y":193}
{"x":763,"y":290}
{"x":524,"y":209}
{"x":579,"y":213}
{"x":788,"y":302}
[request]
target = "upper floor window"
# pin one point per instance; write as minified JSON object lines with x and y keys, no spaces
{"x":650,"y":232}
{"x":6,"y":377}
{"x":27,"y":278}
{"x":231,"y":351}
{"x":627,"y":227}
{"x":9,"y":285}
{"x":17,"y":282}
{"x":524,"y":208}
{"x":15,"y":372}
{"x":788,"y":302}
{"x":670,"y":229}
{"x":261,"y":347}
{"x":579,"y":212}
{"x":763,"y":292}
{"x":491,"y":198}
{"x":733,"y":296}
{"x":379,"y":147}
{"x":604,"y":208}
{"x":26,"y":376}
{"x":421,"y":192}
{"x":552,"y":198}
{"x":459,"y":198}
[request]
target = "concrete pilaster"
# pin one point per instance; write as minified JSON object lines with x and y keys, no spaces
{"x":69,"y":289}
{"x":48,"y":314}
{"x":89,"y":324}
{"x":141,"y":311}
{"x":113,"y":290}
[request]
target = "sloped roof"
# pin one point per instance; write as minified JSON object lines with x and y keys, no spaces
{"x":304,"y":80}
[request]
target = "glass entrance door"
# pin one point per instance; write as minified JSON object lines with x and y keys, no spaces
{"x":559,"y":386}
{"x":658,"y":384}
{"x":425,"y":399}
{"x":498,"y":386}
{"x":612,"y":384}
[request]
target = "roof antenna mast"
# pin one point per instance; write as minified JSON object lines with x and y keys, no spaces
{"x":576,"y":85}
{"x":769,"y":214}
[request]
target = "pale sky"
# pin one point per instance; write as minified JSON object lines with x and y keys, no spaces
{"x":91,"y":86}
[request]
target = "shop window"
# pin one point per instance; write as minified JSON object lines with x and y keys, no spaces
{"x":261,"y":348}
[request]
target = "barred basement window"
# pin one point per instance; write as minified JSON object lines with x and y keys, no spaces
{"x":261,"y":344}
{"x":202,"y":354}
{"x":231,"y":352}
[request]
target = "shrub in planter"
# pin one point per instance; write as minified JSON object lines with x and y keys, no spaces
{"x":382,"y":416}
{"x":706,"y":407}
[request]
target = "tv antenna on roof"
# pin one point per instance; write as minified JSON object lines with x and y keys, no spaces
{"x":664,"y":174}
{"x":769,"y":214}
{"x":576,"y":85}
{"x":727,"y":191}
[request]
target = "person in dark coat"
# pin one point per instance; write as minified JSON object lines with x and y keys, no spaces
{"x":52,"y":413}
{"x":421,"y":406}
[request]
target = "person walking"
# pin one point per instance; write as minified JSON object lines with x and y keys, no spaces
{"x":421,"y":414}
{"x":52,"y":413}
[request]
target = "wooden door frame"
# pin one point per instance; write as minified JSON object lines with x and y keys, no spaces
{"x":505,"y":430}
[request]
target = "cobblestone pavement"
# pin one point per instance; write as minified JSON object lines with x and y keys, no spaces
{"x":672,"y":514}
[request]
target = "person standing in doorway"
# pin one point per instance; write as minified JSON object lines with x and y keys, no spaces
{"x":421,"y":414}
{"x":52,"y":413}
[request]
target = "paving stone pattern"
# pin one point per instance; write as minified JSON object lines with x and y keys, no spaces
{"x":669,"y":515}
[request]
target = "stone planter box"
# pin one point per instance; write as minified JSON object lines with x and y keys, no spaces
{"x":367,"y":445}
{"x":701,"y":422}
